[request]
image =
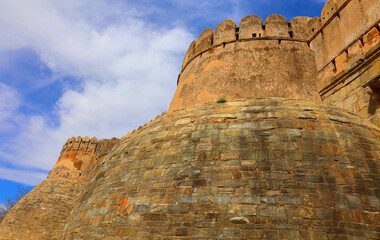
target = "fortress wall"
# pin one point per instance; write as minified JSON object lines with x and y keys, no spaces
{"x":42,"y":213}
{"x":245,"y":169}
{"x":252,"y":60}
{"x":347,"y":54}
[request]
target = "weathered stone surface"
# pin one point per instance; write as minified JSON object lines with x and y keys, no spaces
{"x":225,"y":32}
{"x":252,"y":168}
{"x":261,"y":65}
{"x":42,"y":213}
{"x":251,"y":26}
{"x":303,"y":176}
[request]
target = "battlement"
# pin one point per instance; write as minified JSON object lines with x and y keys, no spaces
{"x":306,"y":58}
{"x":250,"y":28}
{"x":253,"y":60}
{"x":79,"y":155}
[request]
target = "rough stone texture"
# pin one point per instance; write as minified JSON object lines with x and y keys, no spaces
{"x":266,"y":68}
{"x":347,"y":57}
{"x":42,"y":213}
{"x":299,"y":28}
{"x":251,"y":26}
{"x":225,"y":32}
{"x":276,"y":25}
{"x":354,"y":20}
{"x":254,"y":168}
{"x":246,"y":169}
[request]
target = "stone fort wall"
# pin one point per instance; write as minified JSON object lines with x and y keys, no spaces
{"x":346,"y":48}
{"x":43,"y":213}
{"x":311,"y":169}
{"x":333,"y":58}
{"x":252,"y":60}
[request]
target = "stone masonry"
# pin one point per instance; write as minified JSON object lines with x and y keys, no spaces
{"x":293,"y":152}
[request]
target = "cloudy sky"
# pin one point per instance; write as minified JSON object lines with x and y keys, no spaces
{"x":96,"y":68}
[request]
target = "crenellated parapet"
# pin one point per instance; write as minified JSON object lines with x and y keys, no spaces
{"x":307,"y":58}
{"x":250,"y":28}
{"x":347,"y":50}
{"x":254,"y":59}
{"x":79,"y":156}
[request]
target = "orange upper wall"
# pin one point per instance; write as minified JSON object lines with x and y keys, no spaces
{"x":79,"y":156}
{"x":252,"y":60}
{"x":341,"y":39}
{"x":245,"y":61}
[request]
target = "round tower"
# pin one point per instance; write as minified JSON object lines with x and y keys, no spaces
{"x":252,"y":60}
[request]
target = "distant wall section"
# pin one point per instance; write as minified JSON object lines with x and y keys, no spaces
{"x":42,"y":213}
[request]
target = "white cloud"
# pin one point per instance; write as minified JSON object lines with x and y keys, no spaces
{"x":22,"y":176}
{"x":126,"y":71}
{"x":2,"y":206}
{"x":10,"y":100}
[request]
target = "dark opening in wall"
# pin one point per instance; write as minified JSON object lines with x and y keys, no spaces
{"x":224,"y":44}
{"x":253,"y":34}
{"x":289,"y":25}
{"x":361,"y":40}
{"x":312,"y":29}
{"x":279,"y":41}
{"x":263,"y":26}
{"x":259,"y":34}
{"x":237,"y":37}
{"x":291,"y":34}
{"x":334,"y":65}
{"x":236,"y":29}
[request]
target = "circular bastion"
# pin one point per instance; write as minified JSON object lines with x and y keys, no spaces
{"x":252,"y":60}
{"x":270,"y":168}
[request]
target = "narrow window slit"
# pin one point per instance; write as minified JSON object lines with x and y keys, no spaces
{"x":237,"y":37}
{"x":361,"y":40}
{"x":279,"y":41}
{"x":253,"y":34}
{"x":291,"y":34}
{"x":334,"y":65}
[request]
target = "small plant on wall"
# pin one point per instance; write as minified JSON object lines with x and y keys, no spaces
{"x":221,"y":100}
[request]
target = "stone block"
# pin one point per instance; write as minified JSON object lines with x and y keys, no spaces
{"x":225,"y":32}
{"x":271,"y":211}
{"x":299,"y":28}
{"x":371,"y":38}
{"x":342,"y":62}
{"x":276,"y":25}
{"x":251,"y":27}
{"x":204,"y":41}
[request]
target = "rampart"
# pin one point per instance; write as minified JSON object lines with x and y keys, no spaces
{"x":333,"y":58}
{"x":252,"y":60}
{"x":46,"y":208}
{"x":347,"y":53}
{"x":274,"y":164}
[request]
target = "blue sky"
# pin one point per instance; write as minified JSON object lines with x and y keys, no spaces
{"x":96,"y":68}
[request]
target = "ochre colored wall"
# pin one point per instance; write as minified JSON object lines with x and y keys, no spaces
{"x":347,"y":50}
{"x":42,"y":213}
{"x":254,"y":60}
{"x":246,"y":169}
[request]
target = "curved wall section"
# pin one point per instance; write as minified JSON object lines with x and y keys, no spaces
{"x":265,"y":68}
{"x":252,"y":60}
{"x":42,"y":213}
{"x":248,"y":169}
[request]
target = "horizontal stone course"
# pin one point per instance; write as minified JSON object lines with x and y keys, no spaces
{"x":239,"y":177}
